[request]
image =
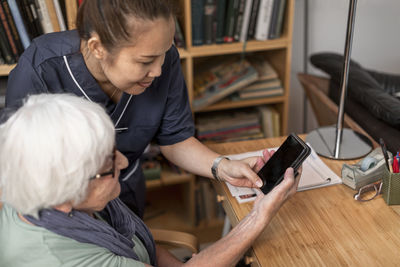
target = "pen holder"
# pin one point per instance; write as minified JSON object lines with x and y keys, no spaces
{"x":391,"y":187}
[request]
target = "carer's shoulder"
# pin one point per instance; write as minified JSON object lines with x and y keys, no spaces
{"x":173,"y":54}
{"x":50,"y":45}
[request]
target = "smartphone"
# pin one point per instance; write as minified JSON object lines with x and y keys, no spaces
{"x":291,"y":153}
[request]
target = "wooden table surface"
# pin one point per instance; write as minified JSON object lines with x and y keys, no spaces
{"x":320,"y":227}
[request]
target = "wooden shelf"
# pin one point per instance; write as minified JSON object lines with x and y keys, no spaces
{"x":5,"y":69}
{"x":237,"y":47}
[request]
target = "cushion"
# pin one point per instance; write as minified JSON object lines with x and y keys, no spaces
{"x":362,"y":87}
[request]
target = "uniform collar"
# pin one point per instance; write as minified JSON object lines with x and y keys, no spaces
{"x":90,"y":89}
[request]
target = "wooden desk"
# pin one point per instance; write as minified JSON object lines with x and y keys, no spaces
{"x":320,"y":227}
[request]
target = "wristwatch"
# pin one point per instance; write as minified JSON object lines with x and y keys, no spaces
{"x":214,"y":168}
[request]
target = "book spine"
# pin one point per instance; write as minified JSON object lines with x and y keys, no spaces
{"x":71,"y":8}
{"x":246,"y":21}
{"x":53,"y":15}
{"x":19,"y":23}
{"x":274,"y":18}
{"x":30,"y":15}
{"x":5,"y":47}
{"x":9,"y":37}
{"x":230,"y":20}
{"x":44,"y":16}
{"x":281,"y":13}
{"x":253,"y":19}
{"x":13,"y":28}
{"x":239,"y":20}
{"x":220,"y":21}
{"x":197,"y":22}
{"x":209,"y":15}
{"x":60,"y":16}
{"x":262,"y":25}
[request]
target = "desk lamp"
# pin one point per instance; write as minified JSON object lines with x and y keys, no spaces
{"x":336,"y":142}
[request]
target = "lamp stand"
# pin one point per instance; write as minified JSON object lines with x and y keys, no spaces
{"x":333,"y":141}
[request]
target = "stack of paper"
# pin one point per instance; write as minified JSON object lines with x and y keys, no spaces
{"x":315,"y":174}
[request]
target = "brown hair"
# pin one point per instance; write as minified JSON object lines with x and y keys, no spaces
{"x":109,"y":18}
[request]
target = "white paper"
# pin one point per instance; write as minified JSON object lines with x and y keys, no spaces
{"x":315,"y":174}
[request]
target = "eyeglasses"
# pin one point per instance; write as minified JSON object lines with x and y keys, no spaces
{"x":368,"y":192}
{"x":111,"y":172}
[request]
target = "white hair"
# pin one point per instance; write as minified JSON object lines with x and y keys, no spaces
{"x":49,"y":148}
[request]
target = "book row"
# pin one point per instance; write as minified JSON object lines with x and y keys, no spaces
{"x":235,"y":78}
{"x":260,"y":122}
{"x":23,"y":20}
{"x":226,"y":21}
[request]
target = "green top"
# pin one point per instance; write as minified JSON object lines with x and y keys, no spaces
{"x":22,"y":244}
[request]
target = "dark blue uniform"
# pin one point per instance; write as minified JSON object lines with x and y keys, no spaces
{"x":53,"y":64}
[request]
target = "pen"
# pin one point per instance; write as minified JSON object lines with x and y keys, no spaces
{"x":385,"y":154}
{"x":395,"y":165}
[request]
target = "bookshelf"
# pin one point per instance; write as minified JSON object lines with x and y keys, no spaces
{"x":277,"y":51}
{"x":178,"y":213}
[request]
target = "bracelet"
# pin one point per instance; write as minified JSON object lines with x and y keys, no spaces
{"x":214,"y":168}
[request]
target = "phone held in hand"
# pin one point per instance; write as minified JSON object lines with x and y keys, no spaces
{"x":291,"y":153}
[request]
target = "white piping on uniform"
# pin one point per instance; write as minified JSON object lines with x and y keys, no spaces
{"x":132,"y":171}
{"x":123,"y":111}
{"x":80,"y":88}
{"x":121,"y":129}
{"x":73,"y":78}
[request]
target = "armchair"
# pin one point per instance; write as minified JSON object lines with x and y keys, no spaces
{"x":372,"y":105}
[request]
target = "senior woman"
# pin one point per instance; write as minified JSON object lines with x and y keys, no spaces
{"x":59,"y":180}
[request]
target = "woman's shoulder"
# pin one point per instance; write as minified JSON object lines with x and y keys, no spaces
{"x":51,"y":45}
{"x":47,"y":248}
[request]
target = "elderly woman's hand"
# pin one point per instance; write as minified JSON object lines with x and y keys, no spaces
{"x":243,"y":172}
{"x":267,"y":205}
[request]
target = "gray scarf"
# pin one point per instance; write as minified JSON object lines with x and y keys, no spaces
{"x":115,"y":236}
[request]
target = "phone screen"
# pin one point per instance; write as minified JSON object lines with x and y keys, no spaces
{"x":290,"y":154}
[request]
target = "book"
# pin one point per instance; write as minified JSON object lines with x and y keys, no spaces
{"x":277,"y":30}
{"x":259,"y":89}
{"x":262,"y":85}
{"x":9,"y":36}
{"x":44,"y":16}
{"x":263,"y":20}
{"x":222,"y":126}
{"x":197,"y":22}
{"x":220,"y":21}
{"x":246,"y":20}
{"x":13,"y":27}
{"x":232,"y":75}
{"x":239,"y":96}
{"x":53,"y":15}
{"x":71,"y":9}
{"x":209,"y":17}
{"x":5,"y":47}
{"x":253,"y":19}
{"x":239,"y":20}
{"x":264,"y":68}
{"x":266,"y":120}
{"x":276,"y":123}
{"x":19,"y":23}
{"x":31,"y":18}
{"x":60,"y":15}
{"x":230,"y":20}
{"x":274,"y":17}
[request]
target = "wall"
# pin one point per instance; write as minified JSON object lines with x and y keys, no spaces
{"x":376,"y":42}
